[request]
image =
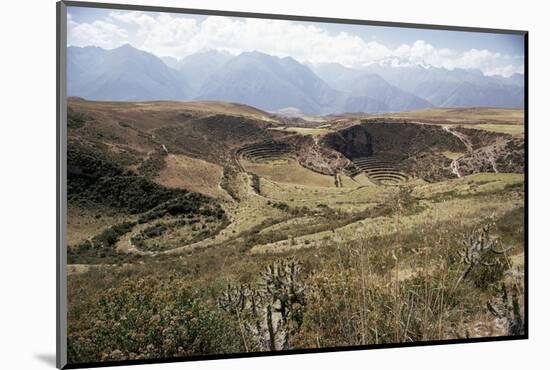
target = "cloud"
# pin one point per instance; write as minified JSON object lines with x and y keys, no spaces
{"x":98,"y":33}
{"x":181,"y":35}
{"x":505,"y":71}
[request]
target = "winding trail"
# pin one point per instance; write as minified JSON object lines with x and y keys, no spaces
{"x":467,"y":144}
{"x":463,"y":138}
{"x":454,"y":167}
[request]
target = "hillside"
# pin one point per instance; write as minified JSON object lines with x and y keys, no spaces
{"x":182,"y":213}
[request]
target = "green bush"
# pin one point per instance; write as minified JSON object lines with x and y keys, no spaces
{"x":150,"y":318}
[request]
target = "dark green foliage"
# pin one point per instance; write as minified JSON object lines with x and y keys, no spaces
{"x":93,"y":180}
{"x":100,"y":246}
{"x":154,"y":231}
{"x":111,"y":235}
{"x":280,"y":205}
{"x":189,"y":205}
{"x":293,"y":211}
{"x":77,"y":119}
{"x":150,"y":318}
{"x":125,"y":192}
{"x":151,"y":166}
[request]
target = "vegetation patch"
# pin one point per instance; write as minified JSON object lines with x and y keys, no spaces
{"x":76,"y":120}
{"x":153,"y":164}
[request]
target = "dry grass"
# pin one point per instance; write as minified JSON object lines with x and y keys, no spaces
{"x":516,"y":130}
{"x":214,"y":107}
{"x":469,"y":185}
{"x":347,"y":199}
{"x":290,"y":172}
{"x":83,"y":224}
{"x":452,"y":155}
{"x":469,"y":212}
{"x":463,"y":115}
{"x":197,"y":175}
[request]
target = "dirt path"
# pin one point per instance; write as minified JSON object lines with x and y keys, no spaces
{"x":467,"y":144}
{"x":460,"y":137}
{"x":338,"y":181}
{"x":125,"y":245}
{"x":454,"y":167}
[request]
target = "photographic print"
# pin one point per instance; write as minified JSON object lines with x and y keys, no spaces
{"x":239,"y":184}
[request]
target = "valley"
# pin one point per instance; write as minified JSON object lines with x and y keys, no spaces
{"x":180,"y":212}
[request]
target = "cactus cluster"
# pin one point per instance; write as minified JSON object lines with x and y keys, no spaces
{"x":507,"y":308}
{"x":479,"y":249}
{"x":270,"y":312}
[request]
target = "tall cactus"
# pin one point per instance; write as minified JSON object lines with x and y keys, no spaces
{"x":507,"y":307}
{"x":281,"y":285}
{"x":479,"y":248}
{"x":272,"y":311}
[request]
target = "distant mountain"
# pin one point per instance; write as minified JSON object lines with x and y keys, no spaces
{"x":171,"y":62}
{"x":259,"y":80}
{"x":452,"y":88}
{"x":197,"y":68}
{"x":274,"y":84}
{"x":468,"y":94}
{"x":516,"y":79}
{"x":334,"y":74}
{"x":374,"y":86}
{"x":371,"y":85}
{"x":121,"y":74}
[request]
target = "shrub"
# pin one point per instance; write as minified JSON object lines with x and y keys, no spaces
{"x":150,"y":318}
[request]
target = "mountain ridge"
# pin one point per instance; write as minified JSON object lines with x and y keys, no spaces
{"x":276,"y":84}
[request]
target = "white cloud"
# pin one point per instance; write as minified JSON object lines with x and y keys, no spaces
{"x":98,"y":33}
{"x":180,"y":35}
{"x":505,"y":71}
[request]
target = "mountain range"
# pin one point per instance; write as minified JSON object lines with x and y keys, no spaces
{"x":280,"y":84}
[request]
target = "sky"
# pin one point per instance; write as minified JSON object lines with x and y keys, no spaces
{"x":180,"y":35}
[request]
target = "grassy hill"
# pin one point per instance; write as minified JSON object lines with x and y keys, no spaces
{"x":189,"y":223}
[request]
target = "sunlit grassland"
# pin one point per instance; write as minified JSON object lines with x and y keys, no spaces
{"x":185,"y":172}
{"x":452,"y":155}
{"x":289,"y":171}
{"x":514,"y":130}
{"x":464,"y":115}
